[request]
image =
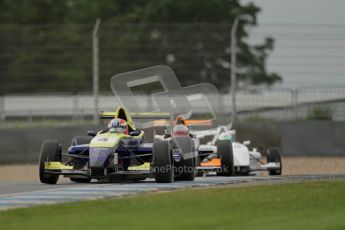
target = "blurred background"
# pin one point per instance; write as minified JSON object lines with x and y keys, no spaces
{"x":57,"y":59}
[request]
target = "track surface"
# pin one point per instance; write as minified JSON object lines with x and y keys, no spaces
{"x":15,"y":195}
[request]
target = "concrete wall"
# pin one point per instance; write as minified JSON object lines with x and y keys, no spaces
{"x":313,"y":138}
{"x":263,"y":134}
{"x":294,"y":138}
{"x":23,"y":145}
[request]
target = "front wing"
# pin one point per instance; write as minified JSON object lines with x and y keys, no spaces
{"x":68,"y":171}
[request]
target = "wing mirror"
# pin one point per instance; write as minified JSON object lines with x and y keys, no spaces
{"x":91,"y":133}
{"x":246,"y":143}
{"x":134,"y":133}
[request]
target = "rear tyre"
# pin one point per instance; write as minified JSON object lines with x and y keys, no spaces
{"x":50,"y":151}
{"x":80,"y":180}
{"x":224,"y":149}
{"x":274,"y":156}
{"x":162,"y":162}
{"x":81,"y":140}
{"x":187,"y":166}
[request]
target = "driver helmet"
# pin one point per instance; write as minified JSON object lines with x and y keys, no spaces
{"x":118,"y":125}
{"x":180,"y":130}
{"x":225,"y":136}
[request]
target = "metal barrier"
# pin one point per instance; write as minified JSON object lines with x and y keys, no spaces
{"x":276,"y":104}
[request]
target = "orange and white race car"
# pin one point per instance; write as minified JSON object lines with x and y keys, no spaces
{"x":227,"y":157}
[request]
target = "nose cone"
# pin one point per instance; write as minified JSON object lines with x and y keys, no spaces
{"x":99,"y":157}
{"x":106,"y":140}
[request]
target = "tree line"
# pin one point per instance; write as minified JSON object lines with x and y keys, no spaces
{"x":46,"y":46}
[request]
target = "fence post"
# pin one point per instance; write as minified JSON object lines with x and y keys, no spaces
{"x":233,"y":70}
{"x":30,"y":117}
{"x":294,"y":101}
{"x":2,"y":108}
{"x":95,"y":59}
{"x":75,"y":107}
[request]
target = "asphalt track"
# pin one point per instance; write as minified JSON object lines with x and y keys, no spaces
{"x":28,"y":194}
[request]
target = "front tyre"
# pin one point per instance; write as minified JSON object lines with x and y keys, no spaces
{"x":224,"y":149}
{"x":50,"y":151}
{"x":274,"y":156}
{"x":162,"y":162}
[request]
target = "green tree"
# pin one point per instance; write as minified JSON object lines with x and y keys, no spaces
{"x":51,"y":49}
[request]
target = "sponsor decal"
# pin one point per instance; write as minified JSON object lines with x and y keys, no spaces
{"x":104,"y":139}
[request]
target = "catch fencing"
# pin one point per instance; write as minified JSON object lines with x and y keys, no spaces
{"x":276,"y":104}
{"x":38,"y":62}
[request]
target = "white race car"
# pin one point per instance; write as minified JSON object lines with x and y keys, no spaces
{"x":227,"y":157}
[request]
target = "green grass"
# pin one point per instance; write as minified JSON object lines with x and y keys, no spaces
{"x":309,"y":205}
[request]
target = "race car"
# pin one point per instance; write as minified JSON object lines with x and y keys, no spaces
{"x":117,"y":152}
{"x":180,"y":139}
{"x":182,"y":126}
{"x":227,"y":157}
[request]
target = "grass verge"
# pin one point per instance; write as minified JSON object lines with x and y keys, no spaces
{"x":307,"y":205}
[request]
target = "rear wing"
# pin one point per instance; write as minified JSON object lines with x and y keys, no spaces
{"x":143,"y":115}
{"x":188,"y":122}
{"x":157,"y":116}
